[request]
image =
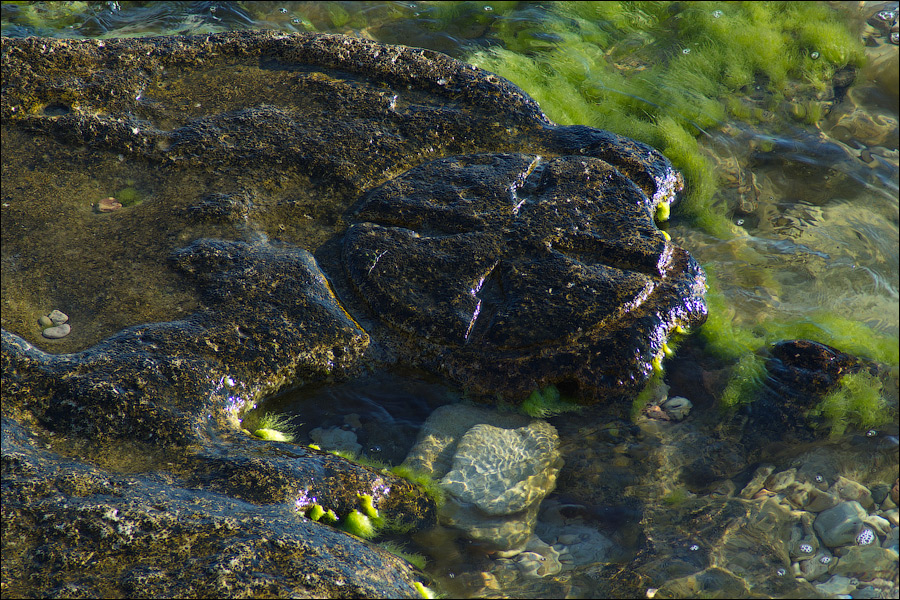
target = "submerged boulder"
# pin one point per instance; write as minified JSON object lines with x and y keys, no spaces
{"x":495,"y":468}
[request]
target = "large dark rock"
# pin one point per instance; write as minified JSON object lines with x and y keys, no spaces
{"x":518,"y":271}
{"x":235,"y":159}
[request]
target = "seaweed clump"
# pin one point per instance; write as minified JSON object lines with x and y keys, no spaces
{"x":666,"y":72}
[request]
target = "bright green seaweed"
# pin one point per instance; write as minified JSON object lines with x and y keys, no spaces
{"x":665,"y":72}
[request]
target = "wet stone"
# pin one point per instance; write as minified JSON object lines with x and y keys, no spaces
{"x":840,"y":525}
{"x":503,"y":471}
{"x":58,"y":317}
{"x":780,"y":481}
{"x":820,"y":501}
{"x":497,"y":472}
{"x":677,"y":407}
{"x":58,"y":331}
{"x":837,"y":585}
{"x":848,"y":489}
{"x":335,"y":439}
{"x":868,"y":562}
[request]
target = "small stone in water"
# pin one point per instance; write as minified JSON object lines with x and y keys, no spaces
{"x":45,"y":322}
{"x":60,"y":331}
{"x":677,"y":407}
{"x":108,"y":205}
{"x":865,"y":537}
{"x":58,"y":317}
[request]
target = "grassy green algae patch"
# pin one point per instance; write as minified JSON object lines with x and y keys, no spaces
{"x":665,"y":72}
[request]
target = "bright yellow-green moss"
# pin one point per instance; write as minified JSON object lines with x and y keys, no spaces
{"x":857,"y":402}
{"x":428,"y":484}
{"x":271,"y":427}
{"x":423,"y":590}
{"x":359,"y":525}
{"x":315,"y":513}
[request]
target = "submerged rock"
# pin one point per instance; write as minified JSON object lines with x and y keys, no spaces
{"x":495,"y":468}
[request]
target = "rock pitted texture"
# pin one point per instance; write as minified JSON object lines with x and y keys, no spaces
{"x":524,"y":271}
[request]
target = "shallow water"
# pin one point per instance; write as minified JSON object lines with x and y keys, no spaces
{"x":815,"y":229}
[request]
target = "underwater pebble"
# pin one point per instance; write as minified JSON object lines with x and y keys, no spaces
{"x":867,"y":592}
{"x":892,"y":541}
{"x":867,"y":561}
{"x":837,"y":585}
{"x":881,"y":525}
{"x":893,"y":516}
{"x":816,"y":566}
{"x":677,"y":407}
{"x":108,"y":205}
{"x":58,"y":317}
{"x":821,"y":501}
{"x":781,"y":481}
{"x":335,"y":439}
{"x":840,"y":525}
{"x":758,"y":482}
{"x":853,"y":491}
{"x":60,"y":331}
{"x":45,"y":322}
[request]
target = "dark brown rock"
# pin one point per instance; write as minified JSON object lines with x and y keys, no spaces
{"x":201,"y":296}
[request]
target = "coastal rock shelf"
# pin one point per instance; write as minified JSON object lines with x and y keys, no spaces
{"x":227,"y":216}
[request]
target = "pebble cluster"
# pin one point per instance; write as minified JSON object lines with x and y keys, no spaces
{"x":54,"y":325}
{"x":846,"y":538}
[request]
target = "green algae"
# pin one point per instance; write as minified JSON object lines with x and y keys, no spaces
{"x":272,"y":427}
{"x":547,"y":402}
{"x":664,"y":72}
{"x":358,"y":524}
{"x":429,"y":485}
{"x":747,"y":378}
{"x":414,"y":558}
{"x":856,"y":403}
{"x":426,"y":482}
{"x":129,"y":196}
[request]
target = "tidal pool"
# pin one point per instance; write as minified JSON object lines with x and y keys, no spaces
{"x":791,"y":161}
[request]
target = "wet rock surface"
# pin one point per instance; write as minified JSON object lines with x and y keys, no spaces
{"x":524,"y":272}
{"x":203,"y":181}
{"x":71,"y":529}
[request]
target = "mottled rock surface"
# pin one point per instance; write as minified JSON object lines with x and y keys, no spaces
{"x":518,"y":271}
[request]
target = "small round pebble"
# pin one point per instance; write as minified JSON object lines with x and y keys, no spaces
{"x":677,"y":407}
{"x":59,"y":331}
{"x":108,"y":205}
{"x":58,"y":317}
{"x":45,"y":322}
